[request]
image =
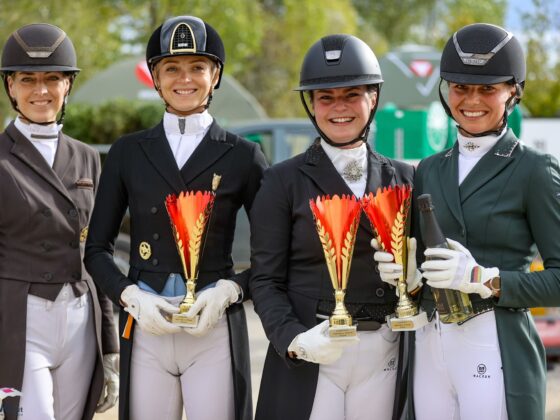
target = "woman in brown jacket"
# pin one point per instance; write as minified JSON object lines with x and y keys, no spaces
{"x":51,"y":315}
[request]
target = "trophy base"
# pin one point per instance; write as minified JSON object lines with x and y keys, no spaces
{"x":410,"y":323}
{"x":342,"y":331}
{"x":182,"y":320}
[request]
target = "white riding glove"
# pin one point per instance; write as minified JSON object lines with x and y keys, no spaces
{"x":146,"y":308}
{"x":390,"y":271}
{"x":211,"y":303}
{"x":316,"y":346}
{"x":455,"y":268}
{"x":110,"y":393}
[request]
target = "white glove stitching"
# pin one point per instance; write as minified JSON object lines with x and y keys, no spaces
{"x":316,"y":346}
{"x":455,"y":268}
{"x":211,"y":304}
{"x":389,"y":271}
{"x":147,"y":309}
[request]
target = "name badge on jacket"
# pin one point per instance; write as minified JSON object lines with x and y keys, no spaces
{"x":85,"y":183}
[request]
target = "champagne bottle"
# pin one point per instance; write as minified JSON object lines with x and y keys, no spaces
{"x":452,"y":305}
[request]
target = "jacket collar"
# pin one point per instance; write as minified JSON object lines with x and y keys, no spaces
{"x":489,"y":166}
{"x":27,"y":153}
{"x":320,"y":169}
{"x":157,"y":150}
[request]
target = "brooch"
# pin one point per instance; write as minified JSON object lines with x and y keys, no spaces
{"x":145,"y":250}
{"x":353,"y":171}
{"x":470,"y":146}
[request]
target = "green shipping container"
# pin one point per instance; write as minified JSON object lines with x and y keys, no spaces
{"x":411,"y":134}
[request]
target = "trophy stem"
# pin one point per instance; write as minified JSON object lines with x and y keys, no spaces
{"x":340,"y":315}
{"x":189,"y":298}
{"x":186,"y":304}
{"x":408,"y":318}
{"x":340,"y":320}
{"x":405,"y":307}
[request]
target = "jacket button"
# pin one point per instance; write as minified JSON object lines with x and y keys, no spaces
{"x":48,"y":276}
{"x":155,"y":261}
{"x":379,"y":292}
{"x":76,"y":276}
{"x":73,"y":213}
{"x":47,"y":212}
{"x":74,"y":244}
{"x":155,"y":236}
{"x":46,"y":246}
{"x":153,"y":210}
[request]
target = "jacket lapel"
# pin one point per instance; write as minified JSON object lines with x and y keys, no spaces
{"x":210,"y":149}
{"x":63,"y":157}
{"x":320,"y":169}
{"x":27,"y":153}
{"x":380,"y":173}
{"x":157,"y":150}
{"x":490,"y":165}
{"x":449,"y":179}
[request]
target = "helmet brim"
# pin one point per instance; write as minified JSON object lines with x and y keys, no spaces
{"x":158,"y":58}
{"x":474,"y":79}
{"x":339,"y":84}
{"x":39,"y":68}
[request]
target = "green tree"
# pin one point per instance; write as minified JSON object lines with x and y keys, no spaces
{"x":96,"y":41}
{"x":266,"y":40}
{"x":292,"y":26}
{"x":106,"y":30}
{"x":542,"y":86}
{"x":454,"y":14}
{"x":240,"y":24}
{"x":397,"y":21}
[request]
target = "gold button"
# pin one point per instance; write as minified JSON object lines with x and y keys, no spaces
{"x":145,"y":250}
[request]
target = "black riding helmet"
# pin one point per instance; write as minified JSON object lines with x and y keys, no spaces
{"x":337,"y":61}
{"x":186,"y":35}
{"x":38,"y":47}
{"x":484,"y":54}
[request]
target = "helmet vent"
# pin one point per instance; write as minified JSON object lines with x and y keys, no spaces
{"x":479,"y":59}
{"x":182,"y":39}
{"x":332,"y":46}
{"x":39,"y":52}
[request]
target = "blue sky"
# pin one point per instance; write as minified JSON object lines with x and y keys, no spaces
{"x":514,"y":24}
{"x":516,"y":7}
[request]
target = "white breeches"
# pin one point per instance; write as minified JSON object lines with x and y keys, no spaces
{"x":175,"y":370}
{"x":59,"y":357}
{"x":458,"y":371}
{"x":361,"y":384}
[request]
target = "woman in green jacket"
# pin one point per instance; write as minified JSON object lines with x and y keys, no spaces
{"x":497,"y":202}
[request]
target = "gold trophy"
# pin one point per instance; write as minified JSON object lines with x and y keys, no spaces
{"x":336,"y":220}
{"x":388,"y":212}
{"x":189,"y":213}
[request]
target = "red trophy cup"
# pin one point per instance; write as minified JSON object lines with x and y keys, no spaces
{"x":336,"y":220}
{"x":388,"y":212}
{"x":189,"y":213}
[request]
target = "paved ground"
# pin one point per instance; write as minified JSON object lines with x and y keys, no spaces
{"x":259,"y":345}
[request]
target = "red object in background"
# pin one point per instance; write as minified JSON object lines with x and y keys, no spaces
{"x":421,"y":68}
{"x":549,"y":332}
{"x":143,"y":75}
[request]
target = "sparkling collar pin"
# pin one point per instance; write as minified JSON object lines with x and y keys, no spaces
{"x":353,"y":171}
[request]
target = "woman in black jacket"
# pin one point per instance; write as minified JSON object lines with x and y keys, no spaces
{"x":165,"y":367}
{"x":307,"y":375}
